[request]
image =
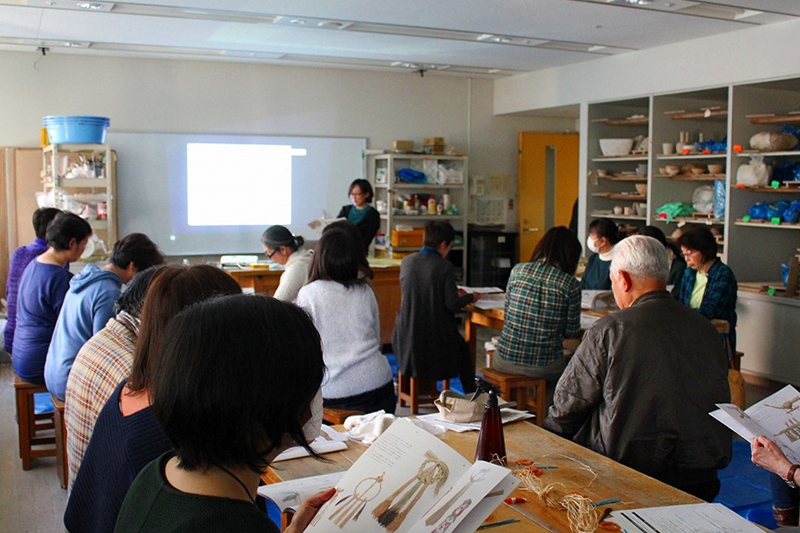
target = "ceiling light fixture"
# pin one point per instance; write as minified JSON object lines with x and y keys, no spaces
{"x":639,"y":2}
{"x":91,"y":6}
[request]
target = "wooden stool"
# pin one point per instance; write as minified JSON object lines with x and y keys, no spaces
{"x":415,"y":391}
{"x":61,"y":442}
{"x":515,"y":388}
{"x":333,"y":416}
{"x":30,"y":424}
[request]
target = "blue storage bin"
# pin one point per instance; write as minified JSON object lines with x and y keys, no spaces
{"x":76,"y":129}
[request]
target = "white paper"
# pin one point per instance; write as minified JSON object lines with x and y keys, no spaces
{"x":328,"y":441}
{"x":290,"y":494}
{"x":775,"y":416}
{"x":482,"y":290}
{"x":692,"y":518}
{"x":491,"y":301}
{"x":320,"y":223}
{"x":591,"y":299}
{"x":507,"y":415}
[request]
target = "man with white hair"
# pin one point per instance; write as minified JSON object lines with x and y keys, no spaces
{"x":641,"y":384}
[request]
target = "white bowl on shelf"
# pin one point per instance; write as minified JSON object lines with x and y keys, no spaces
{"x":616,"y":147}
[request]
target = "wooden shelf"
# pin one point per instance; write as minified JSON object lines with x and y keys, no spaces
{"x":718,"y":113}
{"x":624,"y":177}
{"x":784,"y":189}
{"x":693,"y":220}
{"x":694,"y":177}
{"x":775,"y":119}
{"x":766,"y":224}
{"x":675,"y":157}
{"x":418,"y":186}
{"x":620,"y":158}
{"x":610,"y":214}
{"x":620,"y":196}
{"x":787,"y":153}
{"x":639,"y":121}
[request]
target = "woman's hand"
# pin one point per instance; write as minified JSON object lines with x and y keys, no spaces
{"x":766,"y":454}
{"x":308,"y":510}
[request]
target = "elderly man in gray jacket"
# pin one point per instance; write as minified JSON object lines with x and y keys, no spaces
{"x":640,"y":386}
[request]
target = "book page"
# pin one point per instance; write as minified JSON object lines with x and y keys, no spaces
{"x":290,"y":494}
{"x":393,"y":484}
{"x":738,"y":420}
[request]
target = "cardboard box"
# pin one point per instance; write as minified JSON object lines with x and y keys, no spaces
{"x":413,"y":237}
{"x":403,"y":146}
{"x":433,"y":141}
{"x":450,"y":177}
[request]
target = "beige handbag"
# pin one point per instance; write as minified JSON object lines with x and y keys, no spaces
{"x":455,"y":407}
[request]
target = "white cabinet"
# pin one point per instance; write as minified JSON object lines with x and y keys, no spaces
{"x":93,"y":198}
{"x":406,"y":204}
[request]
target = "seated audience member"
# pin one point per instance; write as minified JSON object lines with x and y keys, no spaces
{"x":641,"y":384}
{"x":677,"y":264}
{"x":22,"y":256}
{"x":709,"y":285}
{"x":603,"y":236}
{"x":127,"y":435}
{"x":284,"y":248}
{"x":249,"y":369}
{"x":542,"y":309}
{"x":100,"y":365}
{"x":345,"y":311}
{"x":42,"y":289}
{"x":426,"y":339}
{"x":784,"y":478}
{"x":357,"y":248}
{"x":89,"y":304}
{"x":361,"y":214}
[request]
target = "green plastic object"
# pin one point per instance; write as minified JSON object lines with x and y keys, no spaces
{"x":775,"y":184}
{"x":746,"y":218}
{"x":676,"y":209}
{"x":771,"y":291}
{"x":776,"y":221}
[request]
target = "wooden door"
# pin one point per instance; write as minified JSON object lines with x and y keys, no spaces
{"x":547,"y":187}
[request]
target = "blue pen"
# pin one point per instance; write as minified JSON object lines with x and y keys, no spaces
{"x":496,"y":524}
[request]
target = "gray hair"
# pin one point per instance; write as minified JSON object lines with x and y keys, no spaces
{"x":641,"y":257}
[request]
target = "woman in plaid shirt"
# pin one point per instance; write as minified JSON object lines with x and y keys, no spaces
{"x":542,"y":309}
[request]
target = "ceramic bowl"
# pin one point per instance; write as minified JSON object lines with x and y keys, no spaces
{"x":663,"y":171}
{"x":716,"y":169}
{"x":616,"y":147}
{"x":641,"y":188}
{"x":698,"y":171}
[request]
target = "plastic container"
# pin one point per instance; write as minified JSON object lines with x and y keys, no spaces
{"x":76,"y":129}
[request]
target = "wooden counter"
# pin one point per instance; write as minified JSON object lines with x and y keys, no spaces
{"x":386,"y":284}
{"x":526,"y":441}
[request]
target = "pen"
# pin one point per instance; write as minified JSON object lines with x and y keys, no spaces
{"x":496,"y":524}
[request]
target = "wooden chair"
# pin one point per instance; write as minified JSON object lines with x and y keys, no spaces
{"x":61,"y":442}
{"x":333,"y":416}
{"x":415,"y":392}
{"x":31,"y":425}
{"x":515,"y":388}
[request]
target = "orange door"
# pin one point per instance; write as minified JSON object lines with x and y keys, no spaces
{"x":547,"y":187}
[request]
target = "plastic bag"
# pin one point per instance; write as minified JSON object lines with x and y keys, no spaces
{"x":674,"y":209}
{"x":409,"y":175}
{"x":754,"y":174}
{"x":703,"y":199}
{"x":792,"y":213}
{"x":719,"y":199}
{"x":455,"y":407}
{"x":772,"y":141}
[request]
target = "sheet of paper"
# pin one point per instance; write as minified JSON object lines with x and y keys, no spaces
{"x":320,"y":223}
{"x":328,"y":441}
{"x":482,"y":290}
{"x":693,"y":518}
{"x":507,"y":415}
{"x":290,"y":494}
{"x":491,"y":301}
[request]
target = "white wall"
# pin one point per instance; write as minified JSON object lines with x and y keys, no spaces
{"x":147,"y":95}
{"x":755,"y":54}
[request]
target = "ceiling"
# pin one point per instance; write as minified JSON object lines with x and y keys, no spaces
{"x":481,"y":38}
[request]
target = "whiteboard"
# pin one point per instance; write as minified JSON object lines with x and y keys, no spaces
{"x":152,"y":188}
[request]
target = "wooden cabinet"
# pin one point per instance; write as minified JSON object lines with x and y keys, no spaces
{"x":386,"y":284}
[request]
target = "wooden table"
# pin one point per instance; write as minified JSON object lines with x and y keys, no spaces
{"x":386,"y":282}
{"x":524,"y":441}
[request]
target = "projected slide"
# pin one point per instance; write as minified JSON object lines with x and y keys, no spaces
{"x":239,"y":184}
{"x":197,"y":194}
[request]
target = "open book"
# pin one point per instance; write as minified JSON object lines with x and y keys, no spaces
{"x":407,"y":481}
{"x":775,"y":416}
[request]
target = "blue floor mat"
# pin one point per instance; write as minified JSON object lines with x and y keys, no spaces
{"x":455,"y":383}
{"x":745,"y":487}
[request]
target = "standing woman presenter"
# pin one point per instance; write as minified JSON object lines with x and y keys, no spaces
{"x":361,"y":214}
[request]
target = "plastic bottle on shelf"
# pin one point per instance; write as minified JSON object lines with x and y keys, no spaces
{"x":431,"y":205}
{"x":446,"y":200}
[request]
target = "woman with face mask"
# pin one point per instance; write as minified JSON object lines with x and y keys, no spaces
{"x":603,"y":235}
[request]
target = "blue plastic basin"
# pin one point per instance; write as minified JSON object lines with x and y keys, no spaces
{"x":76,"y":129}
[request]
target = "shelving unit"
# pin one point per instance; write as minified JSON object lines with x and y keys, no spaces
{"x":57,"y":158}
{"x":383,"y":171}
{"x":624,"y":119}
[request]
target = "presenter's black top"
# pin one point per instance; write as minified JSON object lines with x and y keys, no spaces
{"x":153,"y":505}
{"x":366,"y":220}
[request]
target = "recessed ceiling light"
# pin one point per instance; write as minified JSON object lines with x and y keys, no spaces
{"x":331,"y":24}
{"x":639,"y":2}
{"x":485,"y":37}
{"x":297,"y":21}
{"x":92,"y":6}
{"x":596,"y":48}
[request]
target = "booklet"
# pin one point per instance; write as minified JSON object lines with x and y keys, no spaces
{"x":408,"y":481}
{"x":775,"y":416}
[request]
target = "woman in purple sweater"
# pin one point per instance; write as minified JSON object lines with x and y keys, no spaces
{"x":22,"y":256}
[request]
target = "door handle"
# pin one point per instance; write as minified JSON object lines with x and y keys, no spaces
{"x":529,"y":230}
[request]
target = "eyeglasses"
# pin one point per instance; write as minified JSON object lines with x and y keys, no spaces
{"x":358,"y":194}
{"x":270,"y":254}
{"x":686,"y":252}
